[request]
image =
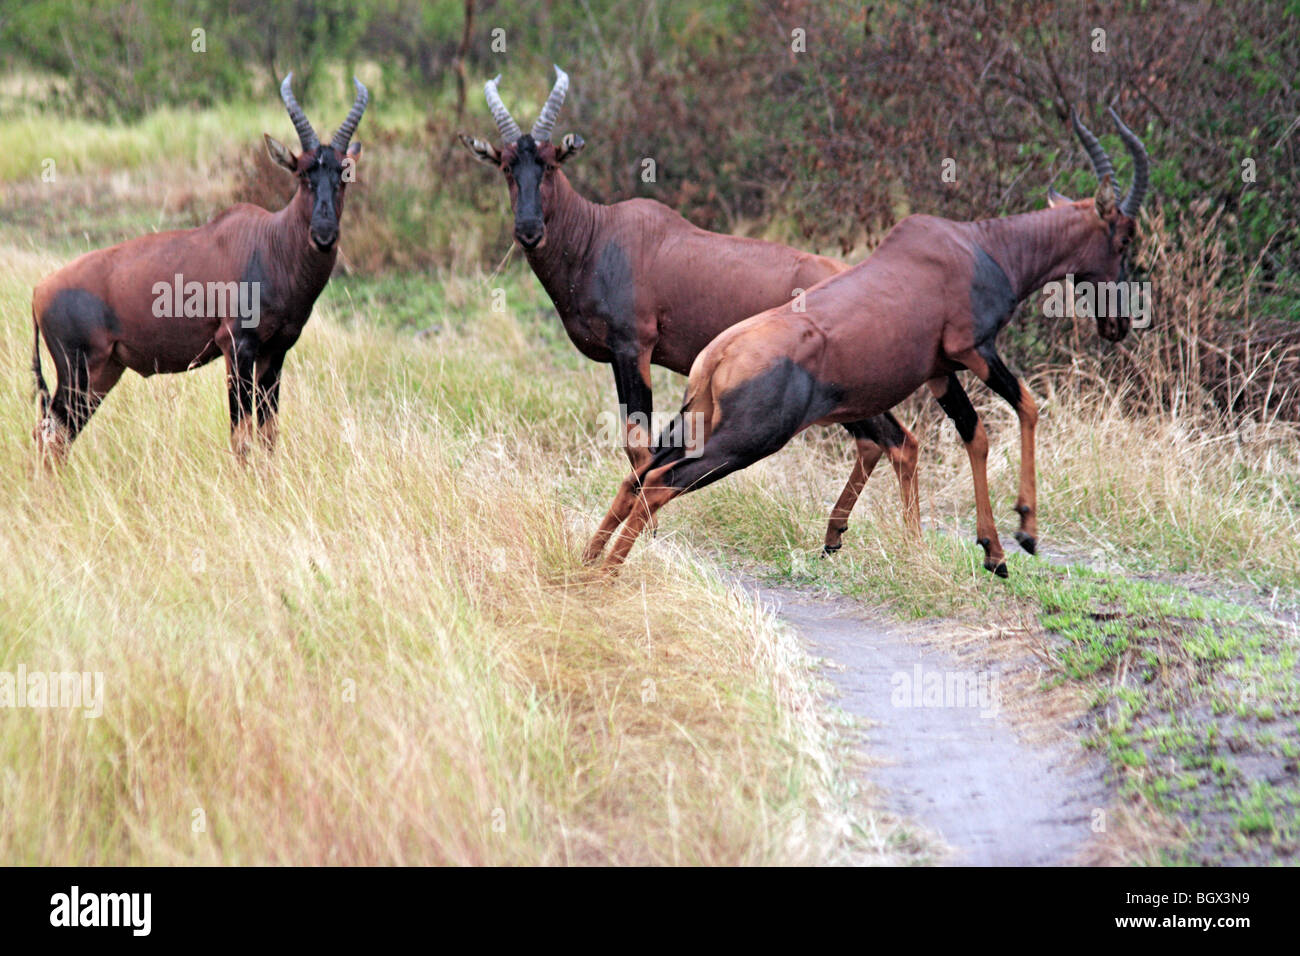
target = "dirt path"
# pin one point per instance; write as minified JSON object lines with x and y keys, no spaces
{"x":937,"y":743}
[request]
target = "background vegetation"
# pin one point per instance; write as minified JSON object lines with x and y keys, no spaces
{"x":826,"y":147}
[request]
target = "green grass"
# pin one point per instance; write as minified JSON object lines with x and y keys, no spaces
{"x":205,"y":140}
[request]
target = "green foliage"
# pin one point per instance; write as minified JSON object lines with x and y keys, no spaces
{"x":124,"y":59}
{"x":825,"y":142}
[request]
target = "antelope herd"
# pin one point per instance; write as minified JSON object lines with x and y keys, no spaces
{"x":773,"y":339}
{"x":929,"y":301}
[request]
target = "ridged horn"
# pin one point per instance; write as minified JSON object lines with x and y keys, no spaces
{"x":1141,"y":166}
{"x":307,"y":137}
{"x":344,"y":135}
{"x":1101,"y":163}
{"x":551,"y":110}
{"x":509,"y":129}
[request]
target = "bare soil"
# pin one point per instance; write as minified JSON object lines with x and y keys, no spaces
{"x":995,"y":796}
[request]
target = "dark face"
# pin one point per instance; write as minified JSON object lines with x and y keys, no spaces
{"x":321,"y":175}
{"x":529,"y":168}
{"x":1113,"y":266}
{"x":1103,"y":255}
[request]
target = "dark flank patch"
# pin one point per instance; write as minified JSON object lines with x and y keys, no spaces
{"x":758,"y":417}
{"x":73,"y":316}
{"x":613,"y":294}
{"x":255,"y":271}
{"x":766,"y":411}
{"x":992,"y":300}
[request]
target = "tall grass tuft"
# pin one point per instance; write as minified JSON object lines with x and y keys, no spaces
{"x":376,"y":647}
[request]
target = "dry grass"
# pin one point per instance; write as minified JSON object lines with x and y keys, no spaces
{"x":372,"y":649}
{"x":1216,"y":350}
{"x":1174,"y":492}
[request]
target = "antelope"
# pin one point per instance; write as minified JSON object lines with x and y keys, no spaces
{"x":929,"y":301}
{"x":636,"y":284}
{"x":242,"y":287}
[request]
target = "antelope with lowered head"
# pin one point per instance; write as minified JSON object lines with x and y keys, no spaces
{"x":928,"y":302}
{"x":242,"y":287}
{"x":635,"y":284}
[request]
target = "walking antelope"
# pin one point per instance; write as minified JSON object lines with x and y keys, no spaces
{"x":635,"y":284}
{"x":242,"y":287}
{"x":929,"y":301}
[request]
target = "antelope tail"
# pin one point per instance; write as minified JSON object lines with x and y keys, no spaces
{"x":41,"y":390}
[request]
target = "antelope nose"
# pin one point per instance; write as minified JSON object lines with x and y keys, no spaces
{"x":530,"y":234}
{"x":324,"y":236}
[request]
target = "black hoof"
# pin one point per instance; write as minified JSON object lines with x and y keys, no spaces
{"x":828,"y":550}
{"x":1000,"y":569}
{"x":1027,"y":541}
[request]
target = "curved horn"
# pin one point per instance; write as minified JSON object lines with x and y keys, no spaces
{"x":1101,"y":163}
{"x":344,"y":135}
{"x":1141,"y":163}
{"x":551,"y":110}
{"x":306,"y":135}
{"x":505,"y":122}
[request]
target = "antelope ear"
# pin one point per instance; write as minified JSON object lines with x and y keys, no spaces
{"x":350,"y":162}
{"x":483,"y":151}
{"x":570,"y":146}
{"x":280,"y":153}
{"x":1055,"y":199}
{"x":1105,"y":202}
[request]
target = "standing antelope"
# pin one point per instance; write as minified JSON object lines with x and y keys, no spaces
{"x":929,"y":301}
{"x":242,"y":286}
{"x":635,"y":284}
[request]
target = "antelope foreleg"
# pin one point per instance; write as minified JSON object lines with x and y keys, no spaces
{"x":988,"y":365}
{"x":268,"y":400}
{"x":868,"y":454}
{"x":624,"y":501}
{"x":954,"y":401}
{"x":241,"y":359}
{"x":904,"y":457}
{"x":1027,"y":498}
